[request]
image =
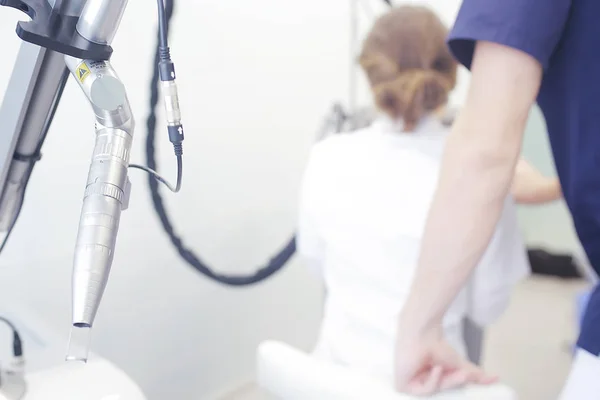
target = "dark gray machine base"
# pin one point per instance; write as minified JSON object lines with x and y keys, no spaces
{"x":52,"y":30}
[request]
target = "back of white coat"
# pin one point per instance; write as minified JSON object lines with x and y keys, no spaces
{"x":363,"y":207}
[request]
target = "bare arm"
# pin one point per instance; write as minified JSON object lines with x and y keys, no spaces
{"x":529,"y":186}
{"x":476,"y":175}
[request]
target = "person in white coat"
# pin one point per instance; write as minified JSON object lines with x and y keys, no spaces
{"x":366,"y":194}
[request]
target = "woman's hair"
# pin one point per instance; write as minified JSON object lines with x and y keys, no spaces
{"x":408,"y":63}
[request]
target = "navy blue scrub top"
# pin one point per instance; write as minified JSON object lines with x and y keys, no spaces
{"x":564,"y":36}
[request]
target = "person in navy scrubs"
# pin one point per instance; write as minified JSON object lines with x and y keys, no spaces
{"x":519,"y":52}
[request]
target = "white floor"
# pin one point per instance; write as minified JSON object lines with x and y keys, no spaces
{"x":530,"y":348}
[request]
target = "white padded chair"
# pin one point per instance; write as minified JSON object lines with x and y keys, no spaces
{"x":287,"y":373}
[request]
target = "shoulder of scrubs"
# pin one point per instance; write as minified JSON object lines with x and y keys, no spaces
{"x":532,"y":26}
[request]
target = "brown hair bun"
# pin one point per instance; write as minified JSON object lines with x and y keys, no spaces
{"x":408,"y":64}
{"x":411,"y":95}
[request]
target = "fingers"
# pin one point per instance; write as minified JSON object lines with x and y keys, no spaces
{"x":438,"y":378}
{"x":426,"y":383}
{"x":457,"y":369}
{"x":468,"y":374}
{"x":476,"y":375}
{"x":441,"y":368}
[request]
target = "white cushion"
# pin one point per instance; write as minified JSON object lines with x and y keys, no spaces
{"x":290,"y":374}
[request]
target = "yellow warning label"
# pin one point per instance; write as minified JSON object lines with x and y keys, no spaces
{"x":82,"y":72}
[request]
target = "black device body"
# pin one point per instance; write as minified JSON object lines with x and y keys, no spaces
{"x":52,"y":29}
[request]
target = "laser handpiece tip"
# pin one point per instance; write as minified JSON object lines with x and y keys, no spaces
{"x":79,"y":343}
{"x":71,"y":358}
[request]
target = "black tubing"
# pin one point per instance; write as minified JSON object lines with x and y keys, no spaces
{"x":275,"y":264}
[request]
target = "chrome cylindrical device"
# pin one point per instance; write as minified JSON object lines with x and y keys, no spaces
{"x":107,"y":187}
{"x":104,"y":198}
{"x":100,"y":20}
{"x":172,"y":110}
{"x":71,"y":8}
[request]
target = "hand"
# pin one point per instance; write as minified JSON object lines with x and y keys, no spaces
{"x":529,"y":186}
{"x":429,"y":364}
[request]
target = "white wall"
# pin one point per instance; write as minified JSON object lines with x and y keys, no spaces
{"x":255,"y":78}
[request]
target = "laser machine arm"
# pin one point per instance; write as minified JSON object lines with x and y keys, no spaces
{"x":74,"y":37}
{"x":107,"y":187}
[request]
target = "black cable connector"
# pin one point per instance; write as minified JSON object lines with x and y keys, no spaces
{"x":166,"y":67}
{"x":164,"y":70}
{"x":176,"y":138}
{"x":275,"y":264}
{"x":17,"y":343}
{"x":167,"y":75}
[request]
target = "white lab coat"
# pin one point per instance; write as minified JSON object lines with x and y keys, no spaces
{"x":363,"y":205}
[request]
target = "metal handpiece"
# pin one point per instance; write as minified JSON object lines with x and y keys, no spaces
{"x":107,"y":188}
{"x":100,"y":20}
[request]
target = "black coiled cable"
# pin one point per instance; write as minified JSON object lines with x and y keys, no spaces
{"x":274,"y":265}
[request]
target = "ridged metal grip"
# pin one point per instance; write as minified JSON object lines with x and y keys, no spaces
{"x":107,"y":188}
{"x":99,"y":223}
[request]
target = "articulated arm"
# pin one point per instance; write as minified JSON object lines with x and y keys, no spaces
{"x":77,"y":33}
{"x":107,"y":188}
{"x":106,"y":191}
{"x":75,"y":36}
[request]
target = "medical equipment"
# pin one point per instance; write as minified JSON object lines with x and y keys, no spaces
{"x":42,"y":376}
{"x":337,"y":120}
{"x":290,"y":374}
{"x":275,"y":264}
{"x":97,"y":380}
{"x":12,"y":381}
{"x":74,"y":36}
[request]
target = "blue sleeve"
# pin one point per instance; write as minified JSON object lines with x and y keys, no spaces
{"x":589,"y":337}
{"x":532,"y":26}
